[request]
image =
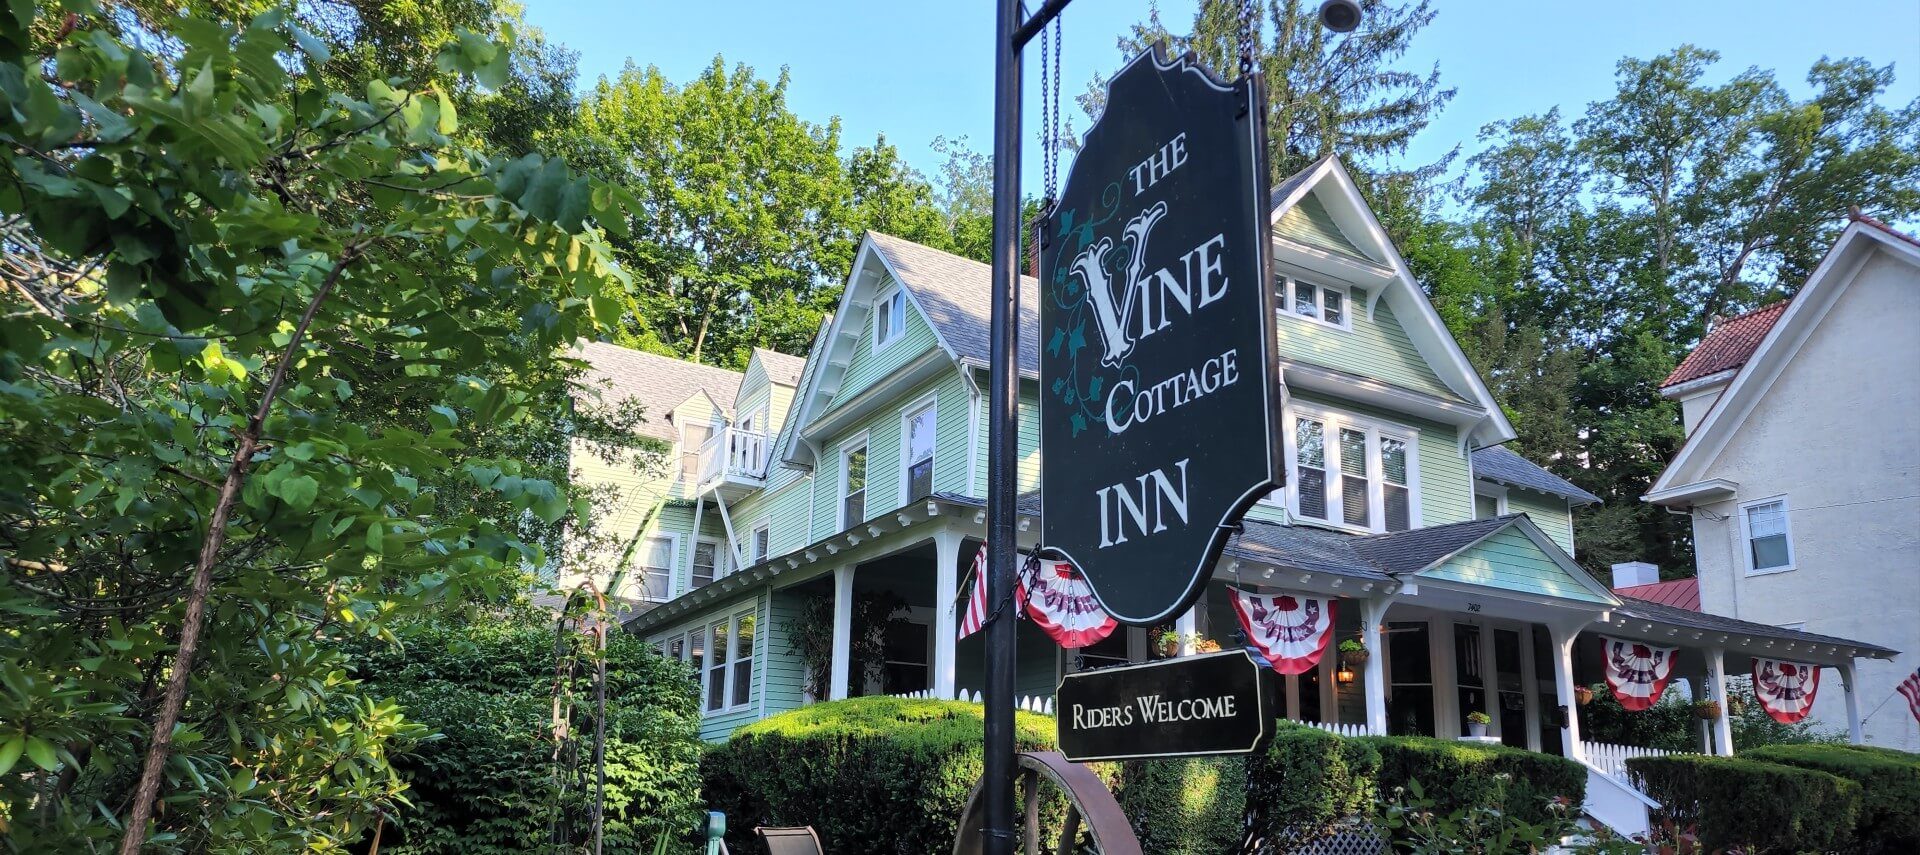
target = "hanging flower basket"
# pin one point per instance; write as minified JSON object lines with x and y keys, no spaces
{"x":1354,"y":654}
{"x":1582,"y":695}
{"x":1706,"y":710}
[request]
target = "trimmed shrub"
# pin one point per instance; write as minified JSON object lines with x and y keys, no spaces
{"x":1460,"y":776}
{"x":1889,"y":782}
{"x":1308,"y":781}
{"x":1755,"y":806}
{"x":871,"y":775}
{"x":1189,"y":806}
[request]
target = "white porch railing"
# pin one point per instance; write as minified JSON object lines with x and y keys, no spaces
{"x":1612,"y":759}
{"x":734,"y":453}
{"x":1042,"y":704}
{"x":1337,"y":728}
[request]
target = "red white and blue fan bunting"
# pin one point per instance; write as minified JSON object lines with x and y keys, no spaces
{"x":1062,"y":604}
{"x":1637,"y":672}
{"x":1785,"y":689}
{"x":976,"y":614}
{"x":1289,"y":630}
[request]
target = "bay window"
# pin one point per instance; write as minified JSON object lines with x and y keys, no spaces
{"x":1364,"y":479}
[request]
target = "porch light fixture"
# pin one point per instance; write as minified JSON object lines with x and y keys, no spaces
{"x":1344,"y":675}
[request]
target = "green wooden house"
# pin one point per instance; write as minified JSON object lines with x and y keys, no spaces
{"x":805,"y":486}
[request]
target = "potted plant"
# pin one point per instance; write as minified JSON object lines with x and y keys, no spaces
{"x":1353,"y":653}
{"x":1706,"y":710}
{"x":1477,"y":722}
{"x":1167,"y":644}
{"x":1582,"y":695}
{"x":1205,"y":645}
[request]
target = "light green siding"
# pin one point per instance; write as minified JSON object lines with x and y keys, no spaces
{"x":719,"y":725}
{"x":1308,"y":222}
{"x":868,"y":366}
{"x":885,"y":464}
{"x":1510,"y":561}
{"x":1550,"y":513}
{"x":1376,"y":347}
{"x":1446,"y":481}
{"x":785,"y":680}
{"x":952,"y":463}
{"x":1029,"y":444}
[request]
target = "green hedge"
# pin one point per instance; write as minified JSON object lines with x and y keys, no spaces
{"x":1889,"y":781}
{"x":1756,"y":806}
{"x":1191,"y":806}
{"x":1461,"y":775}
{"x":1307,"y":780}
{"x":872,"y":775}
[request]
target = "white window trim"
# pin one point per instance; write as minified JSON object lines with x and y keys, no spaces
{"x":1746,"y":536}
{"x":1496,"y":492}
{"x":930,"y":403}
{"x":707,"y":667}
{"x":673,"y":565}
{"x":1286,"y":284}
{"x":854,"y":443}
{"x":753,"y":541}
{"x":1332,"y":421}
{"x":722,"y":559}
{"x":881,"y":340}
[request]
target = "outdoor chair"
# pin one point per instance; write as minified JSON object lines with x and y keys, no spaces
{"x":800,"y":840}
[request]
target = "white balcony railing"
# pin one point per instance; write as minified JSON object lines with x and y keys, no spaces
{"x":734,"y":453}
{"x":1612,"y":759}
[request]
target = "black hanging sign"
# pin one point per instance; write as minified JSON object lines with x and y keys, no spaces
{"x":1158,"y":381}
{"x":1189,"y":706}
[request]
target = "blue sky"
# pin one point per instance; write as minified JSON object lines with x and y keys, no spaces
{"x":919,"y":69}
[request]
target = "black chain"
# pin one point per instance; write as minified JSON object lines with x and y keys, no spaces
{"x":1053,"y":119}
{"x":1246,"y":37}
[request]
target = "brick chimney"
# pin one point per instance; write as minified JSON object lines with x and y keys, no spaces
{"x":1633,"y":573}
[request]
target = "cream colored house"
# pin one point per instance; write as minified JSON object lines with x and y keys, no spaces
{"x":1801,"y":469}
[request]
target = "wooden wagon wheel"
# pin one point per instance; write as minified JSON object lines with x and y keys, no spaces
{"x":1088,"y":802}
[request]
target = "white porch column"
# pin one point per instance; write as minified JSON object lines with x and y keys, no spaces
{"x":1852,"y":688}
{"x":1373,"y":615}
{"x":838,"y":675}
{"x":1721,"y":737}
{"x":1563,"y":638}
{"x":946,"y":588}
{"x":1703,"y":731}
{"x":1185,"y":626}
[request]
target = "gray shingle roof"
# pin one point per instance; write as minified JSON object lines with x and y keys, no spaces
{"x":1303,"y":548}
{"x":1656,"y":613}
{"x":1499,"y":463}
{"x":1417,"y":549}
{"x":618,"y":374}
{"x":955,"y":295}
{"x":1291,"y":182}
{"x":781,"y":368}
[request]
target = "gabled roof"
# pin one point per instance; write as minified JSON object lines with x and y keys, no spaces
{"x":1727,"y":345}
{"x":618,"y":374}
{"x":1688,"y":477}
{"x":1678,"y":593}
{"x":1506,"y":466}
{"x":955,"y":295}
{"x":1414,"y":550}
{"x":781,"y":368}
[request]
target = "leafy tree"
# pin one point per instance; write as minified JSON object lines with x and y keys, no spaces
{"x":219,"y":266}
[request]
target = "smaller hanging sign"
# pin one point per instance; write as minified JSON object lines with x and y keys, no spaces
{"x":1289,"y":630}
{"x":1183,"y":707}
{"x":1637,"y":672}
{"x":1785,"y":689}
{"x":1062,"y":605}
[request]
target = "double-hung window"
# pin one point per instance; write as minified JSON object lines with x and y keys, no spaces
{"x":853,"y":485}
{"x":709,"y":562}
{"x":889,"y":317}
{"x":1769,"y":540}
{"x":656,"y":568}
{"x":917,"y":459}
{"x":728,"y":669}
{"x":1353,"y":473}
{"x":762,"y":538}
{"x":1324,"y":304}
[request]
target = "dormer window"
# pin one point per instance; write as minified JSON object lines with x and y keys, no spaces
{"x":1325,"y":304}
{"x":889,"y":317}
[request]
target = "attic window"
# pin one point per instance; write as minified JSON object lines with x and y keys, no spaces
{"x":1323,"y":304}
{"x":889,"y":317}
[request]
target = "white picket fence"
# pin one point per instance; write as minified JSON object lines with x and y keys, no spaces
{"x":1612,"y":759}
{"x":1029,"y":703}
{"x":1338,"y":728}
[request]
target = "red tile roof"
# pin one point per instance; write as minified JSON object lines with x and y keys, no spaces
{"x":1863,"y":219}
{"x":1679,"y":593}
{"x":1727,"y":345}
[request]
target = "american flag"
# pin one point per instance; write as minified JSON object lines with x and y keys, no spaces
{"x":977,"y":599}
{"x":1910,"y":687}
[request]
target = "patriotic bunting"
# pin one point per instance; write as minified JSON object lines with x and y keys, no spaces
{"x":977,"y":599}
{"x":1061,"y":604}
{"x":1637,"y":672}
{"x":1910,"y":689}
{"x":1290,"y":631}
{"x":1785,"y":689}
